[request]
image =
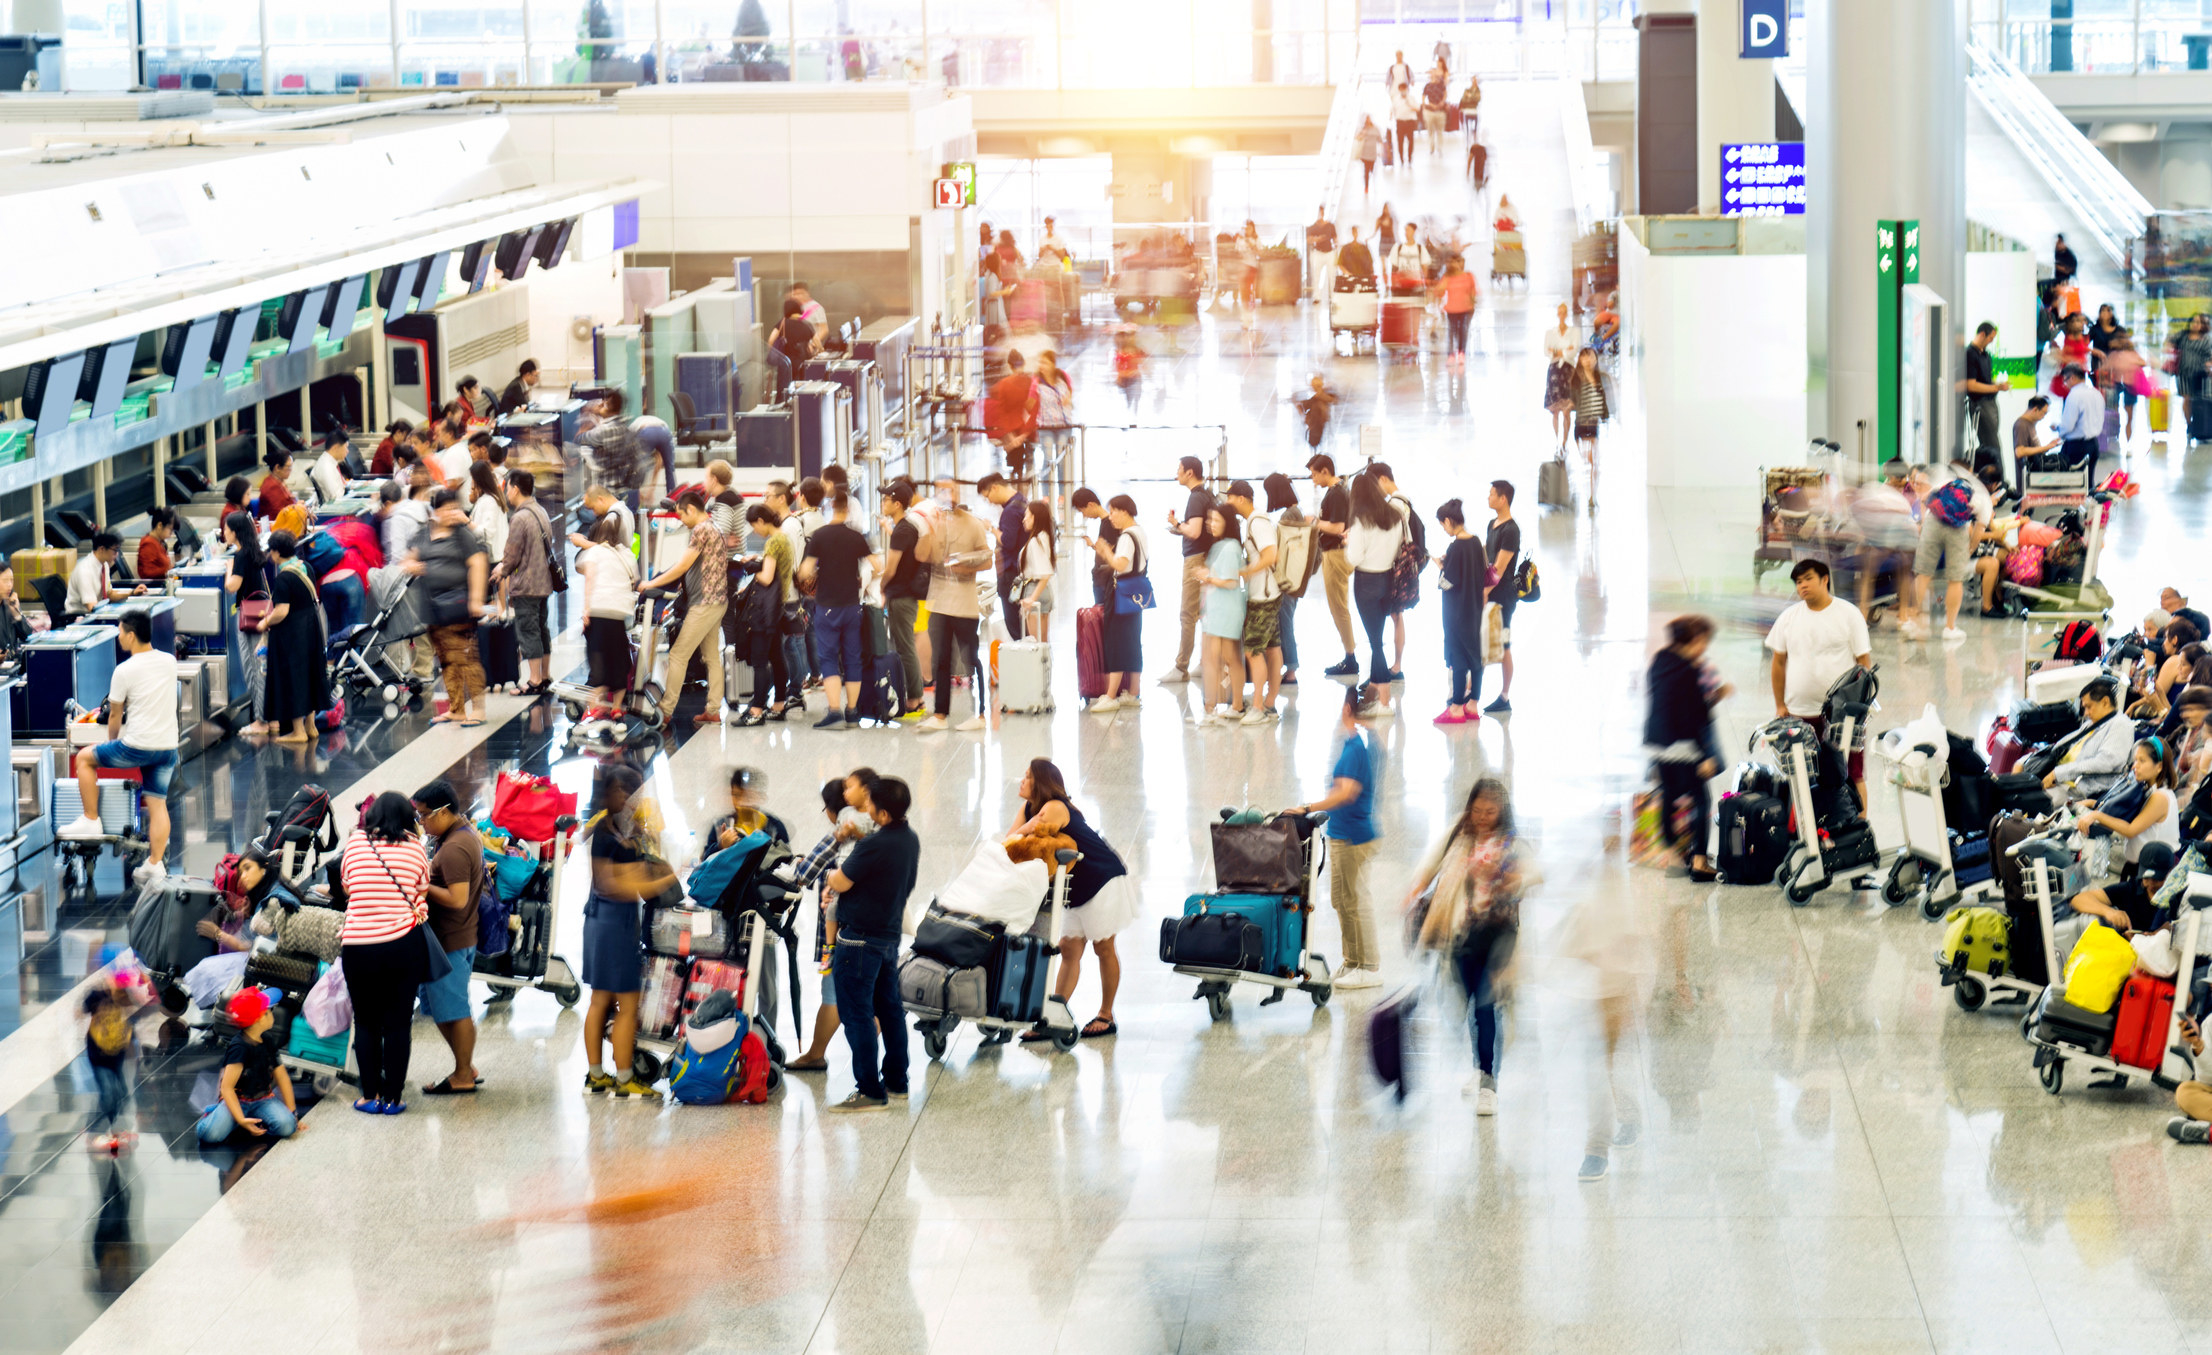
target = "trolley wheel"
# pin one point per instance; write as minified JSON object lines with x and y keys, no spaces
{"x":574,"y":710}
{"x":645,"y":1066}
{"x":2052,"y":1075}
{"x":1217,"y":1003}
{"x":1800,"y":894}
{"x":1969,"y":993}
{"x":1933,"y":908}
{"x":1903,"y":880}
{"x":1064,"y":1040}
{"x":933,"y":1043}
{"x":567,"y":997}
{"x":391,"y":710}
{"x":1320,"y":995}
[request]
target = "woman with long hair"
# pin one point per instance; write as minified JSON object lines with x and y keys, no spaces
{"x":1560,"y":344}
{"x":487,"y":509}
{"x":1128,"y":555}
{"x":1221,"y":620}
{"x":1473,"y":919}
{"x":1102,"y":898}
{"x":247,"y":581}
{"x":622,"y":877}
{"x":610,"y":600}
{"x":1591,"y":391}
{"x":385,"y":955}
{"x":296,"y":687}
{"x":2193,"y":367}
{"x":1371,"y":543}
{"x":1055,"y":418}
{"x":1282,"y":501}
{"x":1040,"y":560}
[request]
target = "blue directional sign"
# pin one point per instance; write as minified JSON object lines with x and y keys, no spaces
{"x":1766,"y":29}
{"x":1762,"y":178}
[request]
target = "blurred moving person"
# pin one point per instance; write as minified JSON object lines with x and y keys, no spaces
{"x":1474,"y":920}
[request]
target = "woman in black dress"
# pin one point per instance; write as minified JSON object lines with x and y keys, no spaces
{"x":297,"y":687}
{"x":1102,"y":899}
{"x":248,"y":581}
{"x":1127,"y":557}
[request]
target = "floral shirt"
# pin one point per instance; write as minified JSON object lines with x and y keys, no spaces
{"x":709,"y":579}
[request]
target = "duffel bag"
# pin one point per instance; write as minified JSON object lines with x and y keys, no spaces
{"x":691,"y":931}
{"x":1259,"y":858}
{"x":928,"y":986}
{"x":956,"y":940}
{"x":1213,"y":941}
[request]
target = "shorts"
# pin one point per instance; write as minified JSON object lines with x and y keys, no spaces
{"x":154,"y":764}
{"x":1263,"y":625}
{"x":447,"y":999}
{"x":1505,"y":620}
{"x":838,"y":636}
{"x":1953,"y":546}
{"x":532,"y":640}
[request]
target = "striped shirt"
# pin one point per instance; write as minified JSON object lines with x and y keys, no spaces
{"x":385,"y":889}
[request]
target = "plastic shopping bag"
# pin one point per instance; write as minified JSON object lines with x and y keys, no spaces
{"x":329,"y":1008}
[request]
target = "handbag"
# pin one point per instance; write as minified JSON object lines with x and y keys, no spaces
{"x":1133,"y":593}
{"x":440,"y":966}
{"x":793,"y":621}
{"x":530,"y":807}
{"x":450,"y":608}
{"x":253,"y":609}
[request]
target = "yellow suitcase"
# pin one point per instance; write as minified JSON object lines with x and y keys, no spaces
{"x":2158,"y":412}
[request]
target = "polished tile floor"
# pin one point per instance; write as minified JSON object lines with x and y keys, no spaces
{"x":1828,"y":1155}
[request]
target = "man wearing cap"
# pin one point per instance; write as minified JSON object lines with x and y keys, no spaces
{"x":256,"y":1091}
{"x":456,"y":885}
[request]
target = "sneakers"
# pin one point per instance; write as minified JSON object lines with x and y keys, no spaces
{"x":1173,"y":676}
{"x":1104,"y":705}
{"x":1258,"y":715}
{"x":1397,"y":675}
{"x":1501,"y":706}
{"x":151,"y":872}
{"x":1349,"y":667}
{"x":972,"y":724}
{"x":895,"y":1093}
{"x":1358,"y":978}
{"x":1953,"y":633}
{"x":1379,"y":710}
{"x":1912,"y":630}
{"x":935,"y":724}
{"x":2182,"y":1129}
{"x":83,"y":826}
{"x":1486,"y":1101}
{"x":857,"y":1102}
{"x":705,"y":718}
{"x":1626,"y":1135}
{"x":908,"y":717}
{"x":1201,"y":717}
{"x":630,"y":1087}
{"x":834,"y":720}
{"x":1592,"y":1169}
{"x":596,"y":1083}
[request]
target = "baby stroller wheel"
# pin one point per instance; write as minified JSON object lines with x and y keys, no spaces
{"x":1969,"y":994}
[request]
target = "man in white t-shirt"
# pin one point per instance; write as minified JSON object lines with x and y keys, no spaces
{"x":142,"y":733}
{"x":1263,"y":601}
{"x":1816,"y":640}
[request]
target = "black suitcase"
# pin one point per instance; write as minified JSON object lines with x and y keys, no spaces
{"x":2060,"y":1021}
{"x":497,"y":650}
{"x":1754,"y":835}
{"x":1213,"y":941}
{"x":2048,"y":723}
{"x":165,"y":920}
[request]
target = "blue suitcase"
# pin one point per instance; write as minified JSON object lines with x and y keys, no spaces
{"x":1282,"y":925}
{"x":1017,"y":978}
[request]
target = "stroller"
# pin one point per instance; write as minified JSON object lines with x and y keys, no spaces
{"x":741,"y":904}
{"x":1832,"y":832}
{"x":360,"y":655}
{"x":1252,"y":928}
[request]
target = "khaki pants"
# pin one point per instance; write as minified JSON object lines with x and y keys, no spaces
{"x":1194,"y":602}
{"x":464,"y":675}
{"x":702,"y":631}
{"x":1348,"y":892}
{"x":1336,"y":583}
{"x":2194,"y":1100}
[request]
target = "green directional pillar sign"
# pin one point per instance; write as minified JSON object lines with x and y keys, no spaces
{"x":1896,"y":264}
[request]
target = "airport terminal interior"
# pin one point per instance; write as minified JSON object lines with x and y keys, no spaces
{"x":1659,"y":996}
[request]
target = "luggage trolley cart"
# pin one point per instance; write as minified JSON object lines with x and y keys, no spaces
{"x":1270,"y":956}
{"x":1355,"y":310}
{"x":121,"y":811}
{"x":1509,"y":257}
{"x":2144,"y":1021}
{"x":756,"y":905}
{"x":530,"y":960}
{"x":1826,"y":848}
{"x":1925,"y":867}
{"x":2089,"y":600}
{"x":2046,"y":871}
{"x":935,"y":1023}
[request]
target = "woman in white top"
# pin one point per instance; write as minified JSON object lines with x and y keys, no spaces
{"x":610,"y":599}
{"x":487,"y":508}
{"x":1039,"y":560}
{"x":1055,"y":405}
{"x":1560,"y":346}
{"x":2155,"y":821}
{"x":1371,"y":545}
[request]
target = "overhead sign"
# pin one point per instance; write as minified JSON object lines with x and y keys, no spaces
{"x":956,"y":184}
{"x":1766,"y":29}
{"x":1762,"y":178}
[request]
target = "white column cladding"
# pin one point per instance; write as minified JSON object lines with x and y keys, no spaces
{"x":1885,"y":140}
{"x":1735,"y":97}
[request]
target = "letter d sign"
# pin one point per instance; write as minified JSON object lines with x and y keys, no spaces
{"x":1766,"y":30}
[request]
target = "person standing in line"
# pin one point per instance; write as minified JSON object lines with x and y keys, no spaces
{"x":845,"y":805}
{"x":1262,"y":639}
{"x":1320,"y":255}
{"x":1474,"y":918}
{"x":1398,"y":605}
{"x":453,"y":568}
{"x":614,"y":451}
{"x":1011,"y":534}
{"x":1221,"y":662}
{"x":1190,"y":473}
{"x":1371,"y":543}
{"x":526,"y":578}
{"x":703,"y":571}
{"x":773,"y":679}
{"x":1350,"y":805}
{"x":1456,"y":291}
{"x":609,"y":573}
{"x":1033,"y":582}
{"x":456,"y":886}
{"x":835,"y":555}
{"x":487,"y":511}
{"x":1123,"y":554}
{"x":2080,"y":419}
{"x":1981,"y":387}
{"x":872,"y":886}
{"x":1333,"y":518}
{"x":1102,"y":898}
{"x":1501,"y":542}
{"x":956,"y":550}
{"x":1282,"y":502}
{"x":1951,"y":520}
{"x":387,"y":879}
{"x":905,"y":585}
{"x":1592,"y":392}
{"x":296,"y":686}
{"x":1462,"y":572}
{"x":1816,"y":640}
{"x":1405,"y":115}
{"x":247,"y":580}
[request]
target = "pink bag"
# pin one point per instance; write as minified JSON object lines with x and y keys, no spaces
{"x":2025,"y":566}
{"x":329,"y":1008}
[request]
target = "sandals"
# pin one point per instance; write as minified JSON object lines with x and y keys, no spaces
{"x":1090,"y":1034}
{"x":808,"y":1066}
{"x":444,"y":1087}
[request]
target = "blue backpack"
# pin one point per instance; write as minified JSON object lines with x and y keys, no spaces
{"x":706,"y":1069}
{"x":1953,"y":504}
{"x":321,"y":552}
{"x":710,"y":879}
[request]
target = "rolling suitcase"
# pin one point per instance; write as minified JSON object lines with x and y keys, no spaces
{"x":1025,"y":677}
{"x":1277,"y":916}
{"x":165,"y":920}
{"x":497,"y":650}
{"x":1017,"y":978}
{"x":2004,"y":747}
{"x":1090,"y":652}
{"x":661,"y":1008}
{"x":2158,"y":414}
{"x":1389,"y":1032}
{"x":2033,"y":724}
{"x":1754,"y":836}
{"x":2058,"y":1021}
{"x":2145,"y":1012}
{"x":1551,"y":484}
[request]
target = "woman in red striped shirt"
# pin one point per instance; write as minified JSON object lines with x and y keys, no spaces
{"x":387,"y":879}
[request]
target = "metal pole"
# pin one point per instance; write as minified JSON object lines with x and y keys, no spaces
{"x":207,"y":436}
{"x":100,"y":493}
{"x":161,"y":463}
{"x":394,"y":7}
{"x":38,"y":516}
{"x":261,"y":432}
{"x":307,"y":420}
{"x":263,"y":21}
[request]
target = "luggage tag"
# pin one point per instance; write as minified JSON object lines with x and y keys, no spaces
{"x":702,"y":923}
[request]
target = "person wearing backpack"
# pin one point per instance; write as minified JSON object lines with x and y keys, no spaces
{"x":1405,"y":587}
{"x":1956,"y":512}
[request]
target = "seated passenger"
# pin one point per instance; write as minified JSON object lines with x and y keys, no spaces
{"x":153,"y":548}
{"x":2095,"y":755}
{"x":2138,"y":807}
{"x":2126,"y":905}
{"x":2192,"y":740}
{"x":92,"y":581}
{"x":257,"y":1091}
{"x":1607,"y":327}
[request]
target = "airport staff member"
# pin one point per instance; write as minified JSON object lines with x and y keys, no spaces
{"x":91,"y":585}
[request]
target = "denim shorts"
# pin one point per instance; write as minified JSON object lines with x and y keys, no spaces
{"x":448,"y":998}
{"x":838,"y":636}
{"x":154,"y":764}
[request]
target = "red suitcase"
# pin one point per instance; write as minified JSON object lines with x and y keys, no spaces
{"x":2003,"y":748}
{"x":1401,"y":322}
{"x":2145,"y":1012}
{"x":1090,"y":652}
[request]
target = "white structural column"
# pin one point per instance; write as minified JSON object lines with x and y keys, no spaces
{"x":1735,"y":97}
{"x":1885,"y":140}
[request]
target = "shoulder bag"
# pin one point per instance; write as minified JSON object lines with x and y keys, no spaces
{"x":1133,"y":591}
{"x":254,"y":609}
{"x":436,"y":965}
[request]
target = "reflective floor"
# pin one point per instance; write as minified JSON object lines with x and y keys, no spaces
{"x":1809,"y":1147}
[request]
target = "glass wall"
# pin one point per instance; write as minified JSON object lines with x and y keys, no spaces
{"x":2098,"y":36}
{"x":304,"y":47}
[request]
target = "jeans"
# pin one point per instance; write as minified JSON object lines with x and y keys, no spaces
{"x":702,"y":629}
{"x":1347,"y":892}
{"x":1009,"y":599}
{"x":216,"y":1125}
{"x":864,"y":971}
{"x":947,"y":634}
{"x":796,"y":665}
{"x":1369,"y":588}
{"x":1463,"y":651}
{"x":1459,"y":322}
{"x":1480,"y":956}
{"x":1285,"y":628}
{"x":115,"y":1093}
{"x":839,"y":635}
{"x":898,"y":617}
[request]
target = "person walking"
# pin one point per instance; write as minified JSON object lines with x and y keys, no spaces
{"x":1102,"y":897}
{"x":872,"y":885}
{"x":1221,"y":663}
{"x":1055,"y":419}
{"x":1190,"y":473}
{"x":1560,"y":346}
{"x":296,"y":685}
{"x":1501,"y":541}
{"x":835,"y":555}
{"x":1124,"y":553}
{"x":1473,"y":919}
{"x":1455,"y":291}
{"x":1370,"y":143}
{"x":526,"y":577}
{"x":905,"y":586}
{"x":456,"y":887}
{"x":704,"y":572}
{"x":957,"y":549}
{"x":1261,"y":642}
{"x":1314,"y":408}
{"x":453,"y":569}
{"x":1591,"y":390}
{"x":1405,"y":115}
{"x":1350,"y":805}
{"x":1679,"y":737}
{"x":385,"y":957}
{"x":1320,"y":255}
{"x":1332,"y":519}
{"x":1462,"y":572}
{"x":1952,"y":519}
{"x":1433,"y":106}
{"x":623,"y":875}
{"x":1371,"y":543}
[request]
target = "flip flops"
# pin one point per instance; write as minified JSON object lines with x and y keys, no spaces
{"x":444,"y":1087}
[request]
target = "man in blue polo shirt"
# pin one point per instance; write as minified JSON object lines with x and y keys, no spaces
{"x":1350,"y":805}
